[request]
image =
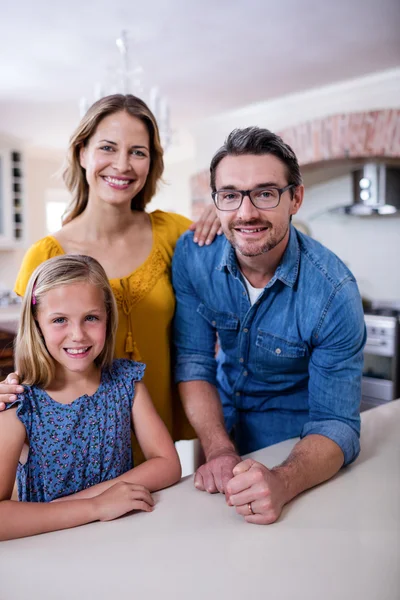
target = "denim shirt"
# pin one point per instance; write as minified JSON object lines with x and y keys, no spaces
{"x":289,"y":365}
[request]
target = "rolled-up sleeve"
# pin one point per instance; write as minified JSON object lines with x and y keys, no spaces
{"x":194,"y":338}
{"x":335,"y":371}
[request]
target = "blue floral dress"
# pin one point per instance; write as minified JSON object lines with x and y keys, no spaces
{"x":74,"y":446}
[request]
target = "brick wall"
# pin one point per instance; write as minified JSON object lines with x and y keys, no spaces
{"x":352,"y":135}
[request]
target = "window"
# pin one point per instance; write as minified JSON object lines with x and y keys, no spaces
{"x":56,"y":203}
{"x":54,"y":213}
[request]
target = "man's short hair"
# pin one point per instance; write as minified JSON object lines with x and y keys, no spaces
{"x":254,"y":140}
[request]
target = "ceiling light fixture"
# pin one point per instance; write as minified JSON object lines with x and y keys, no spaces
{"x":129,"y":81}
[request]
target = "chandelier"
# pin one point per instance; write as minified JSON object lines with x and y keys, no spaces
{"x":128,"y":80}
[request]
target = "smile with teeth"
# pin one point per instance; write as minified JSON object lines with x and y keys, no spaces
{"x":118,"y":182}
{"x":77,"y":351}
{"x":257,"y":230}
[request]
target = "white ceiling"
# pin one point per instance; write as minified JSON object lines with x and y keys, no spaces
{"x":207,"y":57}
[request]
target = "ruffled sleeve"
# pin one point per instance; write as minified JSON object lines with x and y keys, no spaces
{"x":43,"y":249}
{"x":125,"y":373}
{"x":24,"y":408}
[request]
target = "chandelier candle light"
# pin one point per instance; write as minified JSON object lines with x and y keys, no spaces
{"x":157,"y":103}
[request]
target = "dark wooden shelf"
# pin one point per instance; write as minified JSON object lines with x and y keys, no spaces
{"x":6,"y":353}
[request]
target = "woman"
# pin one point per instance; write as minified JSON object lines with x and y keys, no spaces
{"x":115,"y":161}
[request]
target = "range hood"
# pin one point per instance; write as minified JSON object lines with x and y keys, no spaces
{"x":376,"y":191}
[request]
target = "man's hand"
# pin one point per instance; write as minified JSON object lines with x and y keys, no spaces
{"x":258,"y":493}
{"x":9,"y":388}
{"x":213,"y":476}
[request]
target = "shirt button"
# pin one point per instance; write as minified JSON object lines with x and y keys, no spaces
{"x":241,"y":360}
{"x":245,"y":373}
{"x":245,"y":330}
{"x":244,"y":294}
{"x":278,"y":351}
{"x":237,"y":394}
{"x":213,"y":323}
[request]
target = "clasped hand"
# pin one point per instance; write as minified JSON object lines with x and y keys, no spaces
{"x":257,"y":493}
{"x":213,"y":476}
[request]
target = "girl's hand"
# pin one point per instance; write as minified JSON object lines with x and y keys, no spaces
{"x":120,"y":499}
{"x":9,"y":388}
{"x":207,"y":226}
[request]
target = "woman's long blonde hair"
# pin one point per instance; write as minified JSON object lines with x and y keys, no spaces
{"x":74,"y":173}
{"x":33,"y":362}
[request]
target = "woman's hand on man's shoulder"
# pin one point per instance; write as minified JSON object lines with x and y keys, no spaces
{"x":207,"y":226}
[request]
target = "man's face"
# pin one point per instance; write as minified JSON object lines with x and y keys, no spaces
{"x":250,"y":230}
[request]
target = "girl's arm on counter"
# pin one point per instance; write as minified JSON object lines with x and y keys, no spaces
{"x":21,"y":519}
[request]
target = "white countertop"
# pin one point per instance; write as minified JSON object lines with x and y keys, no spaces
{"x":339,"y":541}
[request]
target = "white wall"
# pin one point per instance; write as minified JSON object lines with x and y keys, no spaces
{"x":174,"y":193}
{"x":195,"y":149}
{"x":179,"y":161}
{"x":377,"y":91}
{"x":370,"y":246}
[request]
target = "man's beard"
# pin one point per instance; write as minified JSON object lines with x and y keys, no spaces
{"x":275,"y":236}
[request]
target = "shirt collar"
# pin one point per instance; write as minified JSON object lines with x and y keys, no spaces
{"x":287,"y":270}
{"x":228,"y":259}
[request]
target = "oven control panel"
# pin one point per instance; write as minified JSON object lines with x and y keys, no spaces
{"x":381,"y":335}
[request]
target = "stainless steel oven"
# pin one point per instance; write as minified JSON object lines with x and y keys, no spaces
{"x":381,"y":377}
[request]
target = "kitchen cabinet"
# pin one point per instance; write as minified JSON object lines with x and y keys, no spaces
{"x":9,"y":318}
{"x":6,"y":353}
{"x":12,"y":205}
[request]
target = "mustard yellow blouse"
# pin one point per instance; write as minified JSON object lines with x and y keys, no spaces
{"x":146,"y":306}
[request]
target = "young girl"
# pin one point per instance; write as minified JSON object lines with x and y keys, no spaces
{"x":67,"y":438}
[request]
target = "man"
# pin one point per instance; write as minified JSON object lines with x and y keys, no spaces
{"x":287,"y":316}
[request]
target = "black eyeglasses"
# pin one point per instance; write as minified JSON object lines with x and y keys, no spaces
{"x":262,"y":198}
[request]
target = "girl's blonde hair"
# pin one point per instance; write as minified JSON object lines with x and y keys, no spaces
{"x":33,"y":362}
{"x":74,"y":173}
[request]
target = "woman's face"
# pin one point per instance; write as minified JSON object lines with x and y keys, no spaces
{"x":117,"y":159}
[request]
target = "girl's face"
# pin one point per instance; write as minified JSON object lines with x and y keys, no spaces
{"x":73,"y":322}
{"x":117,"y":159}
